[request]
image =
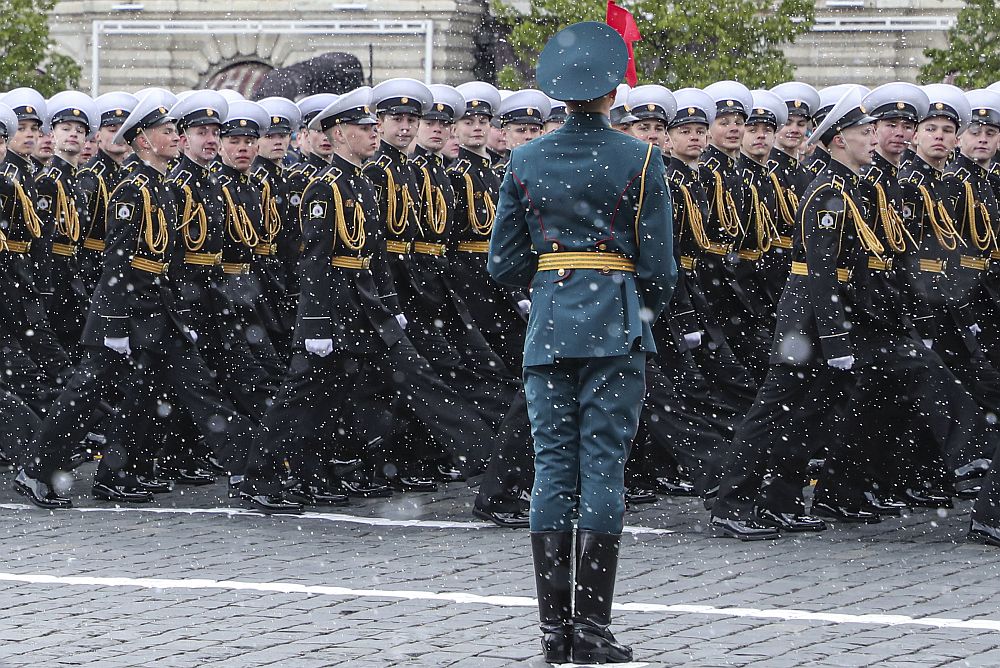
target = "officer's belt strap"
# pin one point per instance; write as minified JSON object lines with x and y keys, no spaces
{"x":398,"y":247}
{"x":932,"y":266}
{"x":66,"y":250}
{"x":265,"y":249}
{"x":207,"y":259}
{"x":994,"y":254}
{"x":474,"y":246}
{"x":749,"y":255}
{"x":802,"y":269}
{"x":719,"y":249}
{"x":349,"y":262}
{"x":590,"y":260}
{"x":235,"y":267}
{"x":971,"y":262}
{"x":18,"y":246}
{"x":426,"y":248}
{"x":879,"y":264}
{"x":94,"y":244}
{"x":153,"y":267}
{"x":782,"y":242}
{"x":688,"y":262}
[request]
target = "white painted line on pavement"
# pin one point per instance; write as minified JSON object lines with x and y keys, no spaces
{"x":326,"y":517}
{"x":780,"y":614}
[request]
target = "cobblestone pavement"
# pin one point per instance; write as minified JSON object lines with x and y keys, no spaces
{"x":185,"y":583}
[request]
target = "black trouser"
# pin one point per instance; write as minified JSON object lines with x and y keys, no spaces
{"x":313,"y":396}
{"x":19,"y":424}
{"x":511,"y":470}
{"x":24,"y":378}
{"x":175,"y":363}
{"x":777,"y":438}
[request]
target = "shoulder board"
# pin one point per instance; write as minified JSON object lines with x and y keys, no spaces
{"x":306,"y":169}
{"x":915,"y":177}
{"x":383,"y":161}
{"x":712,"y":164}
{"x":961,"y":173}
{"x":838,"y":182}
{"x":330,"y":175}
{"x":874,"y":174}
{"x":97,"y":167}
{"x":676,"y":176}
{"x":420,"y":160}
{"x":260,"y":174}
{"x":49,"y":174}
{"x":140,"y":180}
{"x":183,"y":177}
{"x":772,"y":165}
{"x":461,"y":167}
{"x":9,"y":169}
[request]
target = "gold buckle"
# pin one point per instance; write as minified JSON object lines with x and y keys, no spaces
{"x":66,"y":250}
{"x":474,"y":246}
{"x":235,"y":268}
{"x":425,"y":248}
{"x":348,"y":262}
{"x":151,"y":266}
{"x":397,"y":247}
{"x":94,"y":244}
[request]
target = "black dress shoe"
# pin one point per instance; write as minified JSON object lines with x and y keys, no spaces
{"x":154,"y":485}
{"x":210,"y":464}
{"x":972,"y":470}
{"x":815,"y":467}
{"x":447,"y":473}
{"x":6,"y":466}
{"x":187,"y":475}
{"x":507,"y":520}
{"x":270,"y":504}
{"x":637,"y":495}
{"x":919,"y":498}
{"x":745,"y":531}
{"x":984,"y":532}
{"x":405,"y":483}
{"x":675,"y":487}
{"x":789,"y":521}
{"x":316,"y":496}
{"x":121,"y":493}
{"x":39,"y":493}
{"x":365,"y":489}
{"x":970,"y":492}
{"x":885,"y":507}
{"x":844,"y":514}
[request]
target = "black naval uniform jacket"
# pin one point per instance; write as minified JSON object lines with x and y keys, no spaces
{"x":436,"y":215}
{"x":347,"y":291}
{"x":817,"y":319}
{"x":690,"y":208}
{"x":135,"y":296}
{"x":817,"y":161}
{"x":20,"y":226}
{"x":791,"y":175}
{"x":239,"y":287}
{"x":760,"y":207}
{"x":299,"y":175}
{"x":97,"y":180}
{"x":272,"y":180}
{"x":974,"y":203}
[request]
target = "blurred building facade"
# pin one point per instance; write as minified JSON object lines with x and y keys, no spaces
{"x":181,"y":44}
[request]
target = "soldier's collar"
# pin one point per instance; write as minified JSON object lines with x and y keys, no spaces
{"x":62,"y":164}
{"x":385,"y":148}
{"x":880,"y":161}
{"x":746,"y":162}
{"x":345,"y":165}
{"x":316,"y":160}
{"x":842,"y":172}
{"x":21,"y":161}
{"x":927,"y":168}
{"x":714,"y":152}
{"x":475,"y":158}
{"x":968,"y":163}
{"x":782,"y":158}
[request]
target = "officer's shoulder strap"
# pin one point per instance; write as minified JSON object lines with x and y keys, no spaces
{"x":461,"y":167}
{"x":420,"y":160}
{"x":329,"y":175}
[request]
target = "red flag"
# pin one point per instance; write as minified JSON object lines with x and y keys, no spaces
{"x":624,"y":24}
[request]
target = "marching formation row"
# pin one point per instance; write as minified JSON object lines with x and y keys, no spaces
{"x":295,"y":295}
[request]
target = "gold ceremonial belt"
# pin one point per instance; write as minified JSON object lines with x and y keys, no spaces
{"x":474,"y":246}
{"x":801,"y":269}
{"x":425,"y":248}
{"x":18,"y":246}
{"x":995,"y":254}
{"x":719,"y":249}
{"x":750,"y":255}
{"x":977,"y":263}
{"x":66,"y":250}
{"x":236,"y":267}
{"x":782,"y":242}
{"x":94,"y":244}
{"x":879,"y":264}
{"x":265,"y":249}
{"x":348,"y":262}
{"x":398,"y":247}
{"x":688,"y":262}
{"x":153,"y":267}
{"x":603,"y":262}
{"x":932,"y":266}
{"x":206,"y":259}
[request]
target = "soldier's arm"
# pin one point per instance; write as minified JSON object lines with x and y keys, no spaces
{"x":118,"y":276}
{"x":511,"y":258}
{"x":822,"y":220}
{"x":918,"y":309}
{"x":315,"y":270}
{"x":656,"y":271}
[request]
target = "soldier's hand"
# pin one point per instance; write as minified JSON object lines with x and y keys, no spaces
{"x":843,"y":363}
{"x":401,"y":319}
{"x":194,"y":335}
{"x":975,"y":328}
{"x":119,"y":345}
{"x":321,"y":347}
{"x":524,"y":306}
{"x":692,"y":340}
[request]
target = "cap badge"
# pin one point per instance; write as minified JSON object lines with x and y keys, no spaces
{"x":119,"y":112}
{"x":531,"y":112}
{"x":405,"y":100}
{"x":982,"y":112}
{"x":759,"y":112}
{"x":729,"y":103}
{"x":650,"y":107}
{"x":938,"y":105}
{"x":440,"y":107}
{"x":690,"y":111}
{"x":275,"y":120}
{"x":474,"y":103}
{"x":76,"y":112}
{"x":162,"y":110}
{"x":366,"y":109}
{"x":209,"y":112}
{"x":243,"y":122}
{"x":797,"y":103}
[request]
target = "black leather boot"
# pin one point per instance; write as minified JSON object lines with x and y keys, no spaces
{"x":596,"y":570}
{"x":552,"y":553}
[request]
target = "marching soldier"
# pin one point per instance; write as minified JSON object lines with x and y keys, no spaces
{"x":802,"y":100}
{"x":586,"y":347}
{"x":556,"y":117}
{"x":620,"y":117}
{"x":521,"y":116}
{"x":314,"y":147}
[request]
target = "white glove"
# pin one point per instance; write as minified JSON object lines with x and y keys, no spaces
{"x":692,"y":340}
{"x":842,"y":363}
{"x":928,"y":342}
{"x":119,"y":345}
{"x":194,"y":335}
{"x":524,"y":306}
{"x":401,"y":319}
{"x":975,"y":328}
{"x":321,"y":347}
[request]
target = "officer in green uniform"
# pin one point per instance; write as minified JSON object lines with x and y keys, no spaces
{"x":601,"y":270}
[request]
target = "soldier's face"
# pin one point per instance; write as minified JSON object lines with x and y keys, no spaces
{"x":89,"y":149}
{"x":3,"y":148}
{"x":518,"y":134}
{"x":979,"y":143}
{"x":790,"y":137}
{"x":936,"y":138}
{"x":354,"y":142}
{"x":758,"y":140}
{"x":432,"y":134}
{"x":651,"y":131}
{"x":497,"y":140}
{"x":105,"y":142}
{"x":239,"y":152}
{"x":859,"y":144}
{"x":726,"y":132}
{"x":24,"y":140}
{"x":201,"y":143}
{"x":43,"y":147}
{"x":894,"y":136}
{"x":273,"y":147}
{"x":398,"y":130}
{"x":163,"y":141}
{"x":68,"y":137}
{"x":688,"y":141}
{"x":550,"y":126}
{"x":471,"y":131}
{"x":320,"y":144}
{"x":451,"y":147}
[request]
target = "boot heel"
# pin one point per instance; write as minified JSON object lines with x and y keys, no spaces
{"x":556,"y":647}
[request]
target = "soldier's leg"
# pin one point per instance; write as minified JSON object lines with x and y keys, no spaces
{"x":510,"y":469}
{"x":20,"y":423}
{"x":25,"y":379}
